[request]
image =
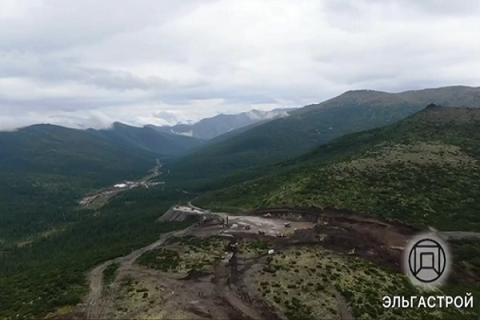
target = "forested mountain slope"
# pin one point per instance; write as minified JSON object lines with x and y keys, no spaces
{"x":305,"y":128}
{"x":47,"y":242}
{"x":149,"y":139}
{"x":45,"y":168}
{"x":423,"y":170}
{"x":50,"y":273}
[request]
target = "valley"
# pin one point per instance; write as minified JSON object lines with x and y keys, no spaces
{"x":239,"y":160}
{"x":118,"y":234}
{"x":98,"y":198}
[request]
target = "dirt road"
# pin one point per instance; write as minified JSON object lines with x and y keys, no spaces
{"x":101,"y":197}
{"x":238,"y":304}
{"x":95,"y":306}
{"x":457,"y":235}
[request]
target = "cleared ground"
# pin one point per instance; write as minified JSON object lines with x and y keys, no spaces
{"x":330,"y":265}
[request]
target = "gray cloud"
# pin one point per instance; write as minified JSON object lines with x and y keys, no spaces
{"x":424,"y":9}
{"x":49,"y":25}
{"x":52,"y":70}
{"x":89,"y":63}
{"x":165,"y":115}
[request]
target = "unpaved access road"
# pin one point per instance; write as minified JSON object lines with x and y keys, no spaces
{"x":96,"y":307}
{"x":100,"y":197}
{"x":237,"y":303}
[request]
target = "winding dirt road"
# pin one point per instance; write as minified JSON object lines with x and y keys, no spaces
{"x":96,"y":307}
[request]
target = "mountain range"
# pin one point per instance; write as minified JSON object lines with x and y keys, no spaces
{"x":310,"y":126}
{"x":210,"y":128}
{"x":147,"y":138}
{"x":423,"y":170}
{"x":411,"y":157}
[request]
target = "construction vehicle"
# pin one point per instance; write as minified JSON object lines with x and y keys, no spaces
{"x":280,"y":235}
{"x":287,"y":224}
{"x":247,"y":227}
{"x":261,"y":232}
{"x":267,"y":215}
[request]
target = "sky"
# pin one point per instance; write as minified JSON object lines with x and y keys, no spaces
{"x":88,"y":63}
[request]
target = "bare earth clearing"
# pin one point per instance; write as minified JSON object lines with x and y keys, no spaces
{"x":98,"y":198}
{"x":213,"y":271}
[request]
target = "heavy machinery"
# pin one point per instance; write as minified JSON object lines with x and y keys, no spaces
{"x":247,"y":227}
{"x":287,"y":224}
{"x":267,"y":215}
{"x":261,"y":232}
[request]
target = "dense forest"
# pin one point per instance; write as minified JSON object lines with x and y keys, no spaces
{"x":38,"y":277}
{"x":47,"y":242}
{"x":45,"y":170}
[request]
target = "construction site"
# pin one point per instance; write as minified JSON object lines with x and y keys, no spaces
{"x":279,"y":263}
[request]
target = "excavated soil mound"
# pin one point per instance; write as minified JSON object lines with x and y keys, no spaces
{"x":377,"y":240}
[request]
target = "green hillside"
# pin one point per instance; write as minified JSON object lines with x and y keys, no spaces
{"x":422,"y":170}
{"x":44,"y":169}
{"x":235,"y":132}
{"x":276,"y":140}
{"x":50,"y":273}
{"x":47,"y":243}
{"x":148,"y":139}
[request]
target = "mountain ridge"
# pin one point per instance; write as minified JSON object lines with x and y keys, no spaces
{"x":212,"y":127}
{"x":411,"y":170}
{"x":148,"y":139}
{"x":447,"y":95}
{"x":309,"y":127}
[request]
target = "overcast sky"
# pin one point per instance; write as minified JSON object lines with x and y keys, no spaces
{"x":90,"y":62}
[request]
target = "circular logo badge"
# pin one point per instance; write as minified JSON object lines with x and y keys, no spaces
{"x":427,"y":260}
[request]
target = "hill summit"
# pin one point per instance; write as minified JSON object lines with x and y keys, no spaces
{"x":308,"y":127}
{"x":423,"y":170}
